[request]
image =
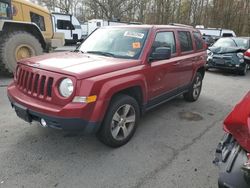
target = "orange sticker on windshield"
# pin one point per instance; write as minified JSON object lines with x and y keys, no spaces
{"x":136,"y":45}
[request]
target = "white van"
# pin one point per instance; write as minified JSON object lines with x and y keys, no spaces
{"x":215,"y":32}
{"x":69,"y":25}
{"x":91,"y":25}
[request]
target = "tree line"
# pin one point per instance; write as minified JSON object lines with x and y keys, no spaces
{"x":228,"y":14}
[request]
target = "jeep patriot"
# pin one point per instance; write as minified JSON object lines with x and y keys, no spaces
{"x":110,"y":80}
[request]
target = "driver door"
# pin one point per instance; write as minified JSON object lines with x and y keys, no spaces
{"x":162,"y":75}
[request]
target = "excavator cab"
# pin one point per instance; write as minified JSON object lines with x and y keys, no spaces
{"x":5,"y":9}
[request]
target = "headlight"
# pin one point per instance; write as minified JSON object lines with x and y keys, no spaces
{"x":240,"y":55}
{"x":209,"y":53}
{"x":66,"y":87}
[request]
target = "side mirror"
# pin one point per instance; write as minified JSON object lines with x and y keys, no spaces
{"x":247,"y":57}
{"x":160,"y":53}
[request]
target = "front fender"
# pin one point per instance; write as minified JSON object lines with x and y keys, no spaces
{"x":114,"y":86}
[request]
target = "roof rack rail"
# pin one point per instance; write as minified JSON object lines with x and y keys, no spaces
{"x":181,"y":25}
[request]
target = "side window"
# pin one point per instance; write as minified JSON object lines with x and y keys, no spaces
{"x":38,"y":20}
{"x":165,"y":39}
{"x":185,"y":41}
{"x":65,"y":25}
{"x":98,"y":24}
{"x":227,"y":35}
{"x":198,"y":40}
{"x":4,"y":9}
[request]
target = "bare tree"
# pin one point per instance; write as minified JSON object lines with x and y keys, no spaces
{"x":231,"y":14}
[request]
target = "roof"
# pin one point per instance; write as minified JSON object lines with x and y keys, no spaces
{"x":63,"y":14}
{"x":153,"y":26}
{"x":25,"y":2}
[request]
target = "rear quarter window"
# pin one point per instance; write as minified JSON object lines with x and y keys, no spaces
{"x":185,"y":41}
{"x":198,"y":40}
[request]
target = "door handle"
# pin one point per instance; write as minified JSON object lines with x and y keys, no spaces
{"x":176,"y":64}
{"x":197,"y":58}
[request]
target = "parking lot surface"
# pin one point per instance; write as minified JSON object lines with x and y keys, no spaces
{"x":173,"y":146}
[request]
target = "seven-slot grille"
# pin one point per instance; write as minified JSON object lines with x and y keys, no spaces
{"x":34,"y":84}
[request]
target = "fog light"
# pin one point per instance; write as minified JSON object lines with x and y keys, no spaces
{"x":43,"y":123}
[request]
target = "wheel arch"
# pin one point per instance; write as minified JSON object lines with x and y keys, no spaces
{"x":133,"y":91}
{"x":133,"y":87}
{"x":33,"y":29}
{"x":201,"y":70}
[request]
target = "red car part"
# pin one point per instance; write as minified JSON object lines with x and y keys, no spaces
{"x":237,"y":123}
{"x":247,"y":55}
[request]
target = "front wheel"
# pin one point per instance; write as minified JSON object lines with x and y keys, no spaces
{"x":120,"y":121}
{"x":195,"y":89}
{"x":244,"y":71}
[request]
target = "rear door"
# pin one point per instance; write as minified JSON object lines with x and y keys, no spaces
{"x":187,"y":58}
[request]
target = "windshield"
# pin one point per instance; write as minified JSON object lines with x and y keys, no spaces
{"x":4,"y":9}
{"x":124,"y":43}
{"x":232,"y":42}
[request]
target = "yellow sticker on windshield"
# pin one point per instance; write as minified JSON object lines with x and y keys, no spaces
{"x":136,"y":45}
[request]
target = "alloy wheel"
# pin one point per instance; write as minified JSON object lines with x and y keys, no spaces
{"x":123,"y":122}
{"x":197,"y":87}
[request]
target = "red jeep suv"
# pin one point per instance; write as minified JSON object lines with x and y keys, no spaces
{"x":110,"y":80}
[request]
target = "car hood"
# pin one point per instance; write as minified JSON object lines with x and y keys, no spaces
{"x":78,"y":64}
{"x":223,"y":50}
{"x":238,"y":123}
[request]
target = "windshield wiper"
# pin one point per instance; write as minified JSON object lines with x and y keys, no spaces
{"x":101,"y":53}
{"x":234,"y":42}
{"x":77,"y":50}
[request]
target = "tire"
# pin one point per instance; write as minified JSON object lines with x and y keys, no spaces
{"x":206,"y":67}
{"x":244,"y":71}
{"x":195,"y":89}
{"x":13,"y":44}
{"x":116,"y":122}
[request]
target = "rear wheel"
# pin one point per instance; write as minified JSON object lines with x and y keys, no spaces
{"x":15,"y":46}
{"x":120,"y":121}
{"x":195,"y":89}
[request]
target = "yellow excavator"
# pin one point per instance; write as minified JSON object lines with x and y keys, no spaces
{"x":26,"y":30}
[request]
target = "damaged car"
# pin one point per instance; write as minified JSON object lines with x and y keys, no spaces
{"x":228,"y":54}
{"x":233,"y":151}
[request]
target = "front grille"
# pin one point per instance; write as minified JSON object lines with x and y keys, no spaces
{"x":34,"y":83}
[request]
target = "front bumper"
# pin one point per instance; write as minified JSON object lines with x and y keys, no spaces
{"x":67,"y":124}
{"x":230,"y":157}
{"x":225,"y":66}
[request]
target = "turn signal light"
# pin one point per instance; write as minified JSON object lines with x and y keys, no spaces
{"x":83,"y":99}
